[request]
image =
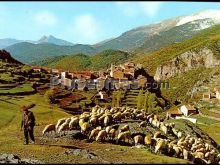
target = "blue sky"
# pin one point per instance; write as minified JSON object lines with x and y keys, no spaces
{"x":87,"y":22}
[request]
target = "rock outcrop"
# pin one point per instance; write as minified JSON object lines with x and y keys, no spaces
{"x":14,"y":159}
{"x":185,"y":62}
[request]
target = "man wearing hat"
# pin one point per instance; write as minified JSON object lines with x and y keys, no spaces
{"x":28,"y":123}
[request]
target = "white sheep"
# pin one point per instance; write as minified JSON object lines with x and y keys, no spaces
{"x":60,"y":122}
{"x":101,"y":135}
{"x":49,"y":129}
{"x":94,"y":133}
{"x":106,"y":121}
{"x":112,"y":134}
{"x":123,"y":136}
{"x":85,"y":127}
{"x":138,"y":139}
{"x":64,"y":127}
{"x":74,"y":123}
{"x":124,"y":128}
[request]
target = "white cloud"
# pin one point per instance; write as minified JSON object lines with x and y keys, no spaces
{"x":150,"y":8}
{"x":85,"y":28}
{"x":127,"y":8}
{"x":136,"y":8}
{"x":45,"y":18}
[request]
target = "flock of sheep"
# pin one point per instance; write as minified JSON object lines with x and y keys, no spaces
{"x":101,"y":124}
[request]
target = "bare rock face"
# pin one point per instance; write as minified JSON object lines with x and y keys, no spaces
{"x":185,"y":62}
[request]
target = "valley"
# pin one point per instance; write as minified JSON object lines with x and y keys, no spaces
{"x":150,"y":95}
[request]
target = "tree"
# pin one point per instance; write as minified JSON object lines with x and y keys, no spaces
{"x":119,"y":96}
{"x":152,"y":103}
{"x":146,"y":96}
{"x":114,"y":99}
{"x":140,"y":100}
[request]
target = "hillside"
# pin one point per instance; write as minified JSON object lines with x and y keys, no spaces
{"x":176,"y":34}
{"x":154,"y":36}
{"x":6,"y":42}
{"x":183,"y":64}
{"x":28,"y":52}
{"x":102,"y":60}
{"x":6,"y":57}
{"x":145,"y":38}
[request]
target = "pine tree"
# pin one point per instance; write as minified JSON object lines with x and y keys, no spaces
{"x":140,"y":100}
{"x":151,"y":103}
{"x":146,"y":96}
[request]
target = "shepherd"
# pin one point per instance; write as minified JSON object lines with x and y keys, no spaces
{"x":28,"y":123}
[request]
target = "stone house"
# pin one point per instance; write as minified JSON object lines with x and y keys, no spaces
{"x":174,"y":112}
{"x":188,"y":110}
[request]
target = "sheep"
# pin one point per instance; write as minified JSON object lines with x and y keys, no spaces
{"x":74,"y":123}
{"x":150,"y":120}
{"x":49,"y":128}
{"x":125,"y":115}
{"x":84,"y":127}
{"x":108,"y":128}
{"x":147,"y":140}
{"x":138,"y":139}
{"x":67,"y":120}
{"x":210,"y":156}
{"x":198,"y":155}
{"x":177,"y":150}
{"x":60,"y":122}
{"x":123,"y":136}
{"x":101,"y":119}
{"x":160,"y":145}
{"x":157,"y":134}
{"x":94,"y":133}
{"x":164,"y":129}
{"x":117,"y":117}
{"x":140,"y":116}
{"x":154,"y":123}
{"x":112,"y":133}
{"x":179,"y":134}
{"x":143,"y":124}
{"x":93,"y":120}
{"x":185,"y":154}
{"x":106,"y":121}
{"x":64,"y":127}
{"x":124,"y":128}
{"x":101,"y":135}
{"x":157,"y":124}
{"x":81,"y":121}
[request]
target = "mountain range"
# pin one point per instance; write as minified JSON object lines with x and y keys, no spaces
{"x":44,"y":39}
{"x":139,"y":40}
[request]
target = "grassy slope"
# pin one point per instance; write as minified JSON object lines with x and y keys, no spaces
{"x":11,"y":139}
{"x":207,"y":37}
{"x":180,"y":84}
{"x":27,"y":52}
{"x":99,"y":61}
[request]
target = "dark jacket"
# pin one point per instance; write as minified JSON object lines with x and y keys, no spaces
{"x":28,"y":120}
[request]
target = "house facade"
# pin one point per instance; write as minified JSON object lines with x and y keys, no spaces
{"x":217,"y":94}
{"x":188,"y":110}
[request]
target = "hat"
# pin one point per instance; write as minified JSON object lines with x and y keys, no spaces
{"x":24,"y":108}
